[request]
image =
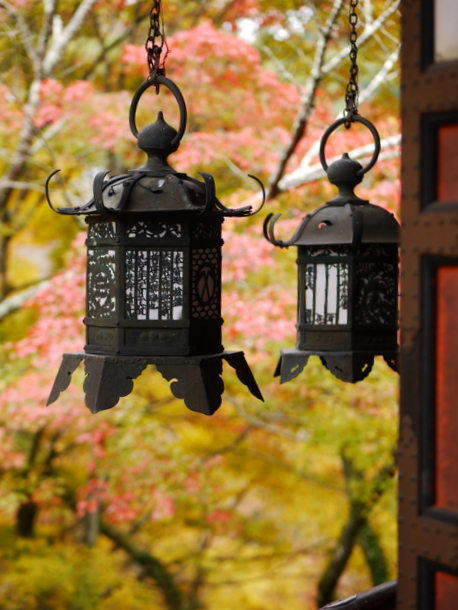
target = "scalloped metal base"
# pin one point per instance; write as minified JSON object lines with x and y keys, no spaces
{"x":346,"y":366}
{"x":195,"y":379}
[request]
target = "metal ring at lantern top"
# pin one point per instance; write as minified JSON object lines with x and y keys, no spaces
{"x":342,"y":121}
{"x":159,"y":80}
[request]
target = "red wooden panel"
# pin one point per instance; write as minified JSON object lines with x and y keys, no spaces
{"x":447,"y":163}
{"x":445,"y":591}
{"x":447,"y":388}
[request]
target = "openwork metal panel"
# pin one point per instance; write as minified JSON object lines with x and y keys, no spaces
{"x":376,"y":285}
{"x":206,"y":230}
{"x":153,"y":229}
{"x":326,"y":293}
{"x":101,"y":231}
{"x":324,"y":286}
{"x":101,"y":283}
{"x":367,"y":273}
{"x":206,"y":284}
{"x":154,"y":284}
{"x":428,"y":519}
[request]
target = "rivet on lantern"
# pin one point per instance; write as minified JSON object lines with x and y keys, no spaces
{"x":153,"y":294}
{"x":347,"y":276}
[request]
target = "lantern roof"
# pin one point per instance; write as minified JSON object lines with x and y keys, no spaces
{"x":345,"y":219}
{"x":346,"y":224}
{"x":155,"y":186}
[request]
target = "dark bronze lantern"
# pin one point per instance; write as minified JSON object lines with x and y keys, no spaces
{"x":154,"y":277}
{"x":347,"y":276}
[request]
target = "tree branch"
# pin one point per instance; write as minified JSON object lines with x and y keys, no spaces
{"x":50,"y":7}
{"x":256,"y":422}
{"x":381,"y":76}
{"x":389,"y":149}
{"x":25,"y":34}
{"x":307,"y":173}
{"x":17,"y":300}
{"x":319,"y":70}
{"x":57,"y":48}
{"x":341,"y":554}
{"x":374,"y":555}
{"x":152,"y":567}
{"x":371,"y":28}
{"x":308,"y":98}
{"x":360,"y":508}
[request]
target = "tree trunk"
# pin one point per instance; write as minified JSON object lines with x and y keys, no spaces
{"x":341,"y":554}
{"x":25,"y":519}
{"x":4,"y":242}
{"x":374,"y":555}
{"x":153,"y":568}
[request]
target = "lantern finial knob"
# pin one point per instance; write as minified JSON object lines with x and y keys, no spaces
{"x":345,"y":173}
{"x":158,"y":137}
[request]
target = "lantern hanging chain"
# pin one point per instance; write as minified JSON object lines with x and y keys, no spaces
{"x":352,"y":92}
{"x":156,"y":44}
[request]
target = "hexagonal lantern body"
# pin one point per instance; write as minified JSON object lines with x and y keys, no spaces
{"x":153,"y":291}
{"x":153,"y":285}
{"x":347,"y":282}
{"x":348,"y":287}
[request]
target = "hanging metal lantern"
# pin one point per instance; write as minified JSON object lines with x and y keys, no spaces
{"x":347,"y":276}
{"x":154,"y":277}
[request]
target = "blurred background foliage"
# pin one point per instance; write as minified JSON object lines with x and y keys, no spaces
{"x":149,"y":505}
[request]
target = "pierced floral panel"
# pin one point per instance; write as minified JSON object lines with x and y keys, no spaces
{"x":101,"y":230}
{"x":334,"y":250}
{"x":376,"y":293}
{"x":205,"y":230}
{"x":376,"y":251}
{"x":326,"y":293}
{"x":206,"y":283}
{"x":154,"y":284}
{"x":101,"y":283}
{"x":153,"y":229}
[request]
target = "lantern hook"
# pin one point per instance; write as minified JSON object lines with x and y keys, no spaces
{"x":48,"y":179}
{"x":263,"y":191}
{"x":269,"y":233}
{"x":80,"y":209}
{"x":344,"y":121}
{"x":246,"y":210}
{"x":210,"y":193}
{"x":158,"y":79}
{"x":97,"y":190}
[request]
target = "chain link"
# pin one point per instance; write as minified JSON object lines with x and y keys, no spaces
{"x":352,"y":92}
{"x":156,"y":45}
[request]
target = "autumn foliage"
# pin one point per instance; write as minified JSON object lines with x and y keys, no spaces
{"x":149,"y":505}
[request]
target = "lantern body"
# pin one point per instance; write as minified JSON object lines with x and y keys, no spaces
{"x":347,"y":297}
{"x":347,"y":282}
{"x":153,"y":285}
